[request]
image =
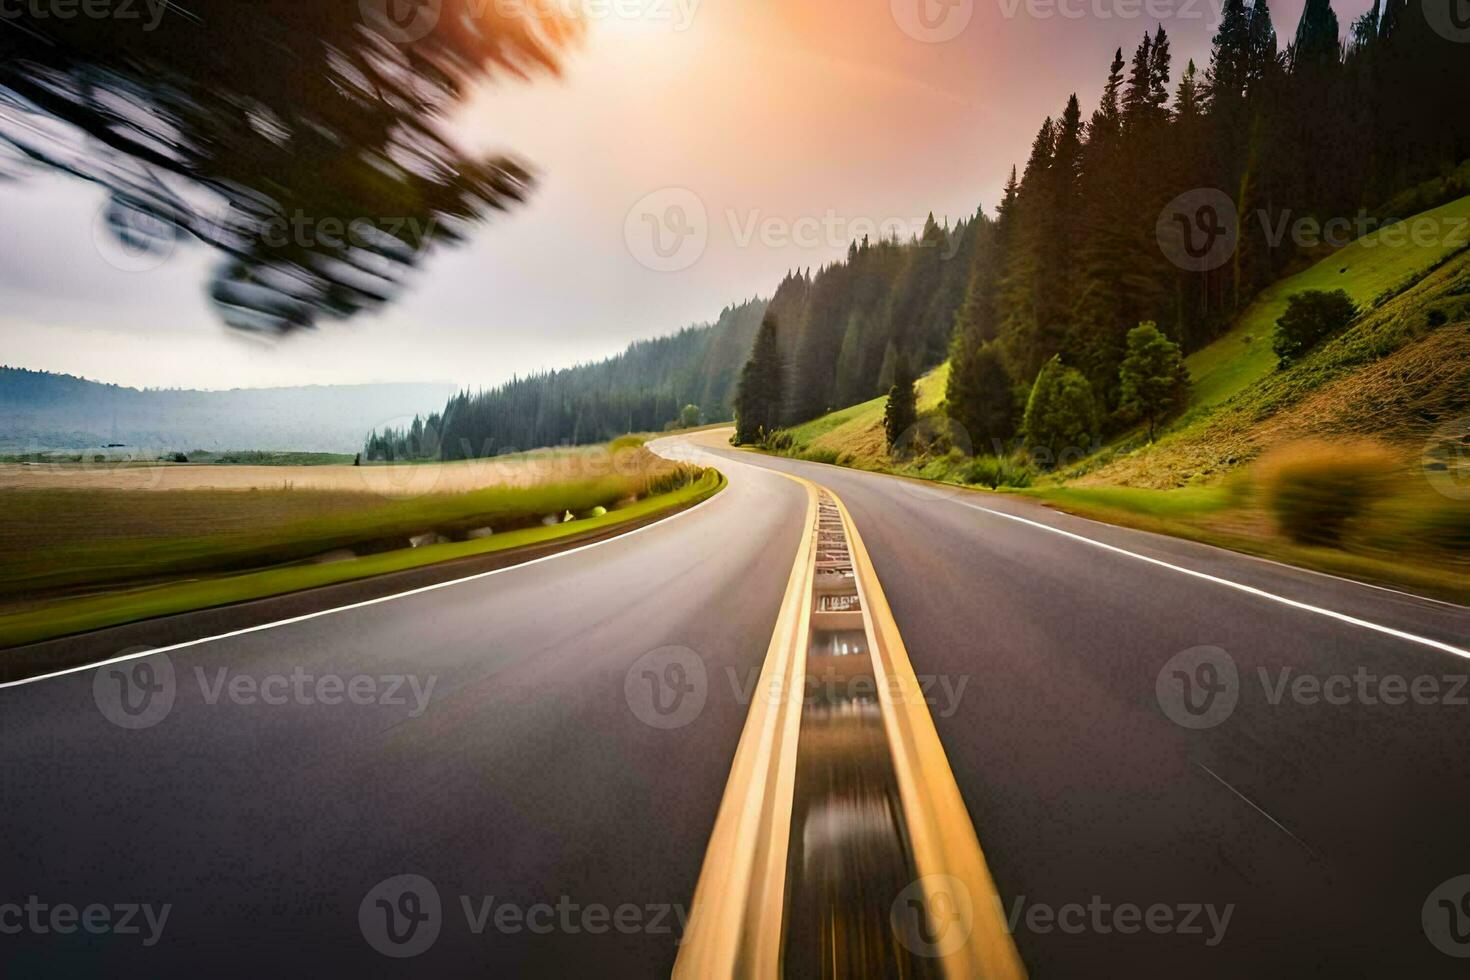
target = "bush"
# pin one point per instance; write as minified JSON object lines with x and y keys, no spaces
{"x":997,"y":471}
{"x":1317,"y":490}
{"x":1311,"y":317}
{"x":779,"y":441}
{"x":1061,"y":418}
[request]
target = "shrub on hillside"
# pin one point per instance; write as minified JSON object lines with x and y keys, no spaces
{"x":1061,"y":417}
{"x":1316,"y":490}
{"x":1310,"y":318}
{"x":999,"y":471}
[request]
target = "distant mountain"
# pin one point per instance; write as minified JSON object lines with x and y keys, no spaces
{"x":40,"y":410}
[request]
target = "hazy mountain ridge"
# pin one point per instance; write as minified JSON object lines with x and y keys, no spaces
{"x":42,"y":410}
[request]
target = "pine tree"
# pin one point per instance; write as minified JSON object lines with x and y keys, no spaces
{"x":902,"y":410}
{"x":1317,"y":46}
{"x":1153,"y":377}
{"x":1158,"y":75}
{"x":1229,"y":58}
{"x":979,"y":394}
{"x":761,"y":395}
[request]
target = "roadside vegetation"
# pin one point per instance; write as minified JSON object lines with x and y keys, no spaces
{"x":1336,"y":437}
{"x":60,"y":548}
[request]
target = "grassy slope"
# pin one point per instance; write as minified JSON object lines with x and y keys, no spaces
{"x":1401,"y":370}
{"x":70,"y":616}
{"x":857,"y":432}
{"x":1366,"y":269}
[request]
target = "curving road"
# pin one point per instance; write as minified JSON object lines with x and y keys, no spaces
{"x":559,"y":802}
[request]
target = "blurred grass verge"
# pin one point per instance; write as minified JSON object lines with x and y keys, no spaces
{"x":77,"y":587}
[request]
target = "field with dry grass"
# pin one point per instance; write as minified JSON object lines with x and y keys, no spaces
{"x":71,"y":529}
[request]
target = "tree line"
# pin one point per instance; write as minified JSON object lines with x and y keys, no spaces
{"x":643,"y":389}
{"x":1112,"y":223}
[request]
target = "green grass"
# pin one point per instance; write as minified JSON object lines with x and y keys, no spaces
{"x":69,"y":616}
{"x":112,"y":560}
{"x":857,"y":432}
{"x":1181,"y":503}
{"x":1380,"y":263}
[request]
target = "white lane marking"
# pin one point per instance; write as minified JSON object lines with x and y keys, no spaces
{"x":356,"y":605}
{"x":1248,"y":589}
{"x":1271,"y":561}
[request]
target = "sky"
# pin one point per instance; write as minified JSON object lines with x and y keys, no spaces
{"x":691,"y":154}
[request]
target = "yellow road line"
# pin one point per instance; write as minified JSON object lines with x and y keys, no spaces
{"x":735,"y":919}
{"x":946,"y":849}
{"x":735,"y":927}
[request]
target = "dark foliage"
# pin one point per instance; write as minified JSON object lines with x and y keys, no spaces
{"x":1310,"y":318}
{"x":300,"y":139}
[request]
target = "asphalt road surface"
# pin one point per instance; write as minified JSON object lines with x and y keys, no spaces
{"x":512,"y":743}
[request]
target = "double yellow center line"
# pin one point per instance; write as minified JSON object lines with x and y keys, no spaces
{"x":842,"y":846}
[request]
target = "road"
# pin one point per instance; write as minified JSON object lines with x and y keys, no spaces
{"x":541,"y":777}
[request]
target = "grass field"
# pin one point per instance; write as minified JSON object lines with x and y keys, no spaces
{"x":55,"y":541}
{"x":396,"y":480}
{"x":64,"y":617}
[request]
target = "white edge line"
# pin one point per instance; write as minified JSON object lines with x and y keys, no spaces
{"x":356,"y":605}
{"x":1250,"y":590}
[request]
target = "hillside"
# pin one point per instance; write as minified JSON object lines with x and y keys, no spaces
{"x":43,"y":411}
{"x":1398,"y":376}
